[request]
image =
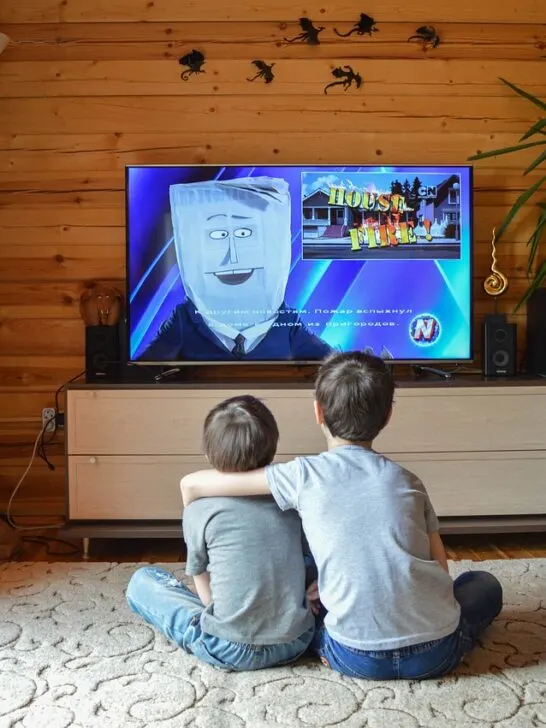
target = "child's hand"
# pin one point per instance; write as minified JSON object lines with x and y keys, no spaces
{"x":313,"y":597}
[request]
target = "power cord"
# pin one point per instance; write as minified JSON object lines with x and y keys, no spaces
{"x":9,"y":519}
{"x":58,"y":421}
{"x":39,"y":449}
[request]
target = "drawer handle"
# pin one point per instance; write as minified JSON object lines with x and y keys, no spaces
{"x":92,"y":461}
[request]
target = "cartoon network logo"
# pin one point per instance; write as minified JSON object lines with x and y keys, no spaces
{"x":425,"y":329}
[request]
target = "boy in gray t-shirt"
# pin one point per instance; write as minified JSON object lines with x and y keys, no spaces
{"x":388,"y":608}
{"x":245,"y":556}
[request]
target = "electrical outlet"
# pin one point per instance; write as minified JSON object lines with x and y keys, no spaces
{"x":48,"y":416}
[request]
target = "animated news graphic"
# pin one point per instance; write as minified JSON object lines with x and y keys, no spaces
{"x":286,"y":264}
{"x":376,"y":215}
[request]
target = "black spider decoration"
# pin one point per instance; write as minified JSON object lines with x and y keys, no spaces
{"x":194,"y":60}
{"x":427,"y":35}
{"x":346,"y":77}
{"x":363,"y":26}
{"x":265,"y":71}
{"x":309,"y":35}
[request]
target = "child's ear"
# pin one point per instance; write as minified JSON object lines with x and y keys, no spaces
{"x":319,"y":415}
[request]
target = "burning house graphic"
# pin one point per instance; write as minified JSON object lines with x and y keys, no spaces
{"x":375,"y":216}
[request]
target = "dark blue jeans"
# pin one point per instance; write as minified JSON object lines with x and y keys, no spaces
{"x":480,"y":596}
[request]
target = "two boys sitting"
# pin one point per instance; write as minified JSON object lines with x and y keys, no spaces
{"x":384,"y":605}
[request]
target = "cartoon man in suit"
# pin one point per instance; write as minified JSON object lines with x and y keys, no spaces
{"x":233,"y":246}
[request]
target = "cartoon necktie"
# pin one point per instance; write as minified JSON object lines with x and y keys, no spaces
{"x":239,"y":348}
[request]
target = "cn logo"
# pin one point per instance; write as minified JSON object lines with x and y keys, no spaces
{"x":425,"y":329}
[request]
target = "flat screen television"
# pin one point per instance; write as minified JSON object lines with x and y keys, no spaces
{"x":278,"y":263}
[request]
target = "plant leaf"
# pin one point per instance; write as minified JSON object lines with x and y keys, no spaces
{"x":536,"y":283}
{"x":534,"y":240}
{"x":518,"y":204}
{"x":538,"y":161}
{"x":533,"y":99}
{"x":535,"y":129}
{"x":506,"y":150}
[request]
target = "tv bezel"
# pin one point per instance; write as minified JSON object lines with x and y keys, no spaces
{"x":295,"y":362}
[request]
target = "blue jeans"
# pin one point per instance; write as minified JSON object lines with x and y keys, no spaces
{"x":167,"y":604}
{"x":480,"y":596}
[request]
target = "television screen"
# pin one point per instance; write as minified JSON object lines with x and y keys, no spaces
{"x":287,"y":263}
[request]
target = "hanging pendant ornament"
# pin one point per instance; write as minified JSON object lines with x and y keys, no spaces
{"x":195,"y":61}
{"x":496,"y":282}
{"x":346,"y":77}
{"x":365,"y":25}
{"x":427,"y":36}
{"x":309,"y":33}
{"x":265,"y":71}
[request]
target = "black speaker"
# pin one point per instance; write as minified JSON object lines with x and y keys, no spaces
{"x":103,"y":354}
{"x":499,"y":347}
{"x":536,"y":333}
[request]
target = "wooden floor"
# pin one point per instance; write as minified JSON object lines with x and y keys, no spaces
{"x":44,"y":546}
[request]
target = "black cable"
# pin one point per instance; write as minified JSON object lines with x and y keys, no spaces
{"x":41,"y":448}
{"x":41,"y":452}
{"x":60,"y":389}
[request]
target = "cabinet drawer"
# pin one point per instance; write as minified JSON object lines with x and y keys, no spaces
{"x":482,"y":484}
{"x":435,"y":420}
{"x":170,"y":422}
{"x":117,"y":488}
{"x":466,"y":420}
{"x":135,"y":487}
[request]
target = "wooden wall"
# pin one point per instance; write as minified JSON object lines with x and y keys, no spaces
{"x":89,"y":86}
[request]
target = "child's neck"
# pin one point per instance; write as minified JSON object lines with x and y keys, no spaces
{"x":333,"y":442}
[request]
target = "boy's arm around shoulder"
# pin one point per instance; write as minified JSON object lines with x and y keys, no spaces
{"x":208,"y":483}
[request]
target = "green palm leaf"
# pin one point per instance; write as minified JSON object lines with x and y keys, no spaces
{"x":534,"y":240}
{"x":540,"y":276}
{"x":537,"y":128}
{"x":541,"y":158}
{"x":506,"y":150}
{"x":533,"y":99}
{"x":518,"y":204}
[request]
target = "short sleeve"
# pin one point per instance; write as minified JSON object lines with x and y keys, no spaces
{"x":431,"y":519}
{"x":433,"y":524}
{"x":193,"y":526}
{"x":284,"y":481}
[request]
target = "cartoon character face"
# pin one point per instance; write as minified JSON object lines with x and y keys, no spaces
{"x":233,"y":246}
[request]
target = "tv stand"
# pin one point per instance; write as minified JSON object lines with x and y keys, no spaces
{"x":479,"y":446}
{"x":419,"y":370}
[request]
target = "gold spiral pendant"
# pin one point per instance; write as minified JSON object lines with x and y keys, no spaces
{"x":496,"y":282}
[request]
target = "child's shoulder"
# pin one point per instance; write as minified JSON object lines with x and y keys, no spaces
{"x":402,"y":474}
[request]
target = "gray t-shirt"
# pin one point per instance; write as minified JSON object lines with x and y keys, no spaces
{"x":254,"y":555}
{"x":367,"y":521}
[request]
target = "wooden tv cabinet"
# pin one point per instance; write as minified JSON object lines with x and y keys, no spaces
{"x":480,"y":448}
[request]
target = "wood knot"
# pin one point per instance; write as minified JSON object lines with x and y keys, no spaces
{"x":58,"y":258}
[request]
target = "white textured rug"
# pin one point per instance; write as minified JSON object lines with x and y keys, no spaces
{"x":72,"y":654}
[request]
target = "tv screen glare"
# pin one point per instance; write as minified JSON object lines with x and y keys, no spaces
{"x":288,"y":263}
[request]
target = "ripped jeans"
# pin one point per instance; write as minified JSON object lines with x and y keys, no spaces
{"x":169,"y":606}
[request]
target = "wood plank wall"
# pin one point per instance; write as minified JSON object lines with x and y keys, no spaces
{"x":88,"y":86}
